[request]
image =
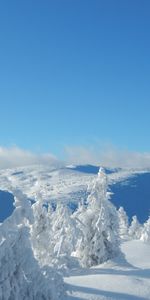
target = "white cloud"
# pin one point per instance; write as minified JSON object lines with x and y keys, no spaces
{"x":16,"y":157}
{"x":108,"y":156}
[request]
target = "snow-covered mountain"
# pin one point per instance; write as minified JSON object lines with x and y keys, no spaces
{"x":130,"y":188}
{"x":90,"y":254}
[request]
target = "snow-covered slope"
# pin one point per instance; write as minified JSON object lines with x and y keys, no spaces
{"x":51,"y":183}
{"x":72,"y":184}
{"x":54,"y":183}
{"x":126,"y":277}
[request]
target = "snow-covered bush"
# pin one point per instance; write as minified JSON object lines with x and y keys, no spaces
{"x":123,"y":223}
{"x":145,"y":235}
{"x":21,"y":276}
{"x":135,"y":229}
{"x":99,"y":226}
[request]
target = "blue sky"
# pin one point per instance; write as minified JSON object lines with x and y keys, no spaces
{"x":75,"y":73}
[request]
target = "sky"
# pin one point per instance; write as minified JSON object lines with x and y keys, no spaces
{"x":75,"y":77}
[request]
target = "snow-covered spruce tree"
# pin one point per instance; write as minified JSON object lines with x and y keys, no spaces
{"x":21,"y":276}
{"x":65,"y":236}
{"x":145,"y":235}
{"x":99,"y":225}
{"x":123,"y":223}
{"x":42,"y":234}
{"x":135,"y":229}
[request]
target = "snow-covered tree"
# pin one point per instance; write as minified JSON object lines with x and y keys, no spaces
{"x":41,"y":233}
{"x":135,"y":229}
{"x":123,"y":223}
{"x":99,"y":225}
{"x":65,"y":235}
{"x":54,"y":235}
{"x":21,"y":277}
{"x":145,"y":236}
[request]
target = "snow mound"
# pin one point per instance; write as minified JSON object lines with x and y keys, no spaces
{"x":124,"y":278}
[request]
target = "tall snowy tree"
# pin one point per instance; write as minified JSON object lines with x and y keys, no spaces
{"x":123,"y":223}
{"x":65,"y":235}
{"x":99,"y":225}
{"x":41,"y":233}
{"x":135,"y":228}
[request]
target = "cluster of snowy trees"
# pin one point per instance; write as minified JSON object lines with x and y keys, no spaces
{"x":135,"y":230}
{"x":88,"y":237}
{"x":38,"y":242}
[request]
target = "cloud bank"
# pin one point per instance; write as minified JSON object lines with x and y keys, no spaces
{"x":16,"y":157}
{"x":108,"y":156}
